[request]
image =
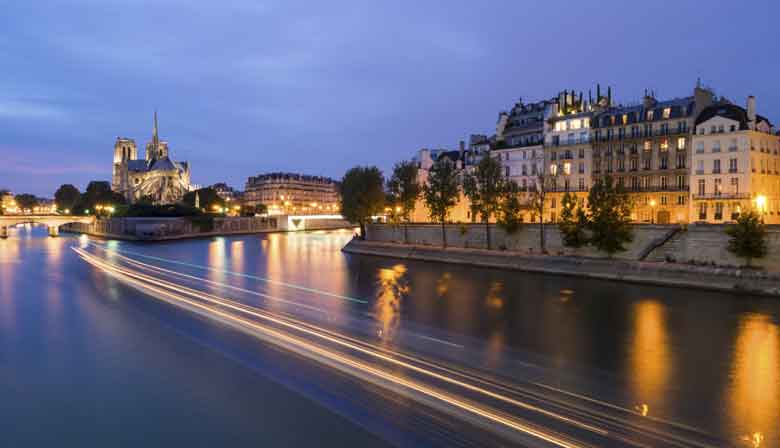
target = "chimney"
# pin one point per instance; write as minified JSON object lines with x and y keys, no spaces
{"x":751,"y":111}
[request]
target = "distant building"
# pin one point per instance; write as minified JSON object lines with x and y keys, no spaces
{"x":289,"y":193}
{"x":736,"y":154}
{"x":156,"y":177}
{"x":8,"y":203}
{"x":227,"y":192}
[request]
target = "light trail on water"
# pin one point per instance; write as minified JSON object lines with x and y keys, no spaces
{"x":175,"y":293}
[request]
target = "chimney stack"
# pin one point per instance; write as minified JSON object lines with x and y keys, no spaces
{"x":751,"y":111}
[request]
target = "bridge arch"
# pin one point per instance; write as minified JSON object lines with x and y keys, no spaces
{"x":53,"y":222}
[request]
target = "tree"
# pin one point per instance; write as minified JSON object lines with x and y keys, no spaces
{"x":484,"y":188}
{"x":362,"y":195}
{"x":610,"y":216}
{"x":573,"y":222}
{"x":66,"y":197}
{"x":404,"y":190}
{"x":537,"y":204}
{"x":98,"y":193}
{"x":748,"y":237}
{"x":508,"y":217}
{"x":26,"y":201}
{"x":441,"y":192}
{"x":208,"y":199}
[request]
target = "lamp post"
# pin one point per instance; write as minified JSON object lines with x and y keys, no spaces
{"x":652,"y":211}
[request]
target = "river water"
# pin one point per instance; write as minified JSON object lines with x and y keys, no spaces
{"x":89,"y":360}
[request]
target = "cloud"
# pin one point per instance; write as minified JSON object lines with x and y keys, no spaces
{"x":31,"y":109}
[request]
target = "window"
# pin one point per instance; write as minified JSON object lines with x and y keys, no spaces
{"x":646,"y":163}
{"x":570,"y":139}
{"x":718,"y":211}
{"x":716,"y":166}
{"x":524,"y":170}
{"x":566,"y":184}
{"x":575,"y":124}
{"x":581,"y":168}
{"x":581,"y":184}
{"x":716,"y":146}
{"x":667,"y":112}
{"x":701,"y":187}
{"x":703,"y":211}
{"x":553,"y":169}
{"x":581,"y":153}
{"x":646,"y":182}
{"x":664,"y":200}
{"x":664,"y":144}
{"x":664,"y":182}
{"x":681,"y":200}
{"x":699,"y":147}
{"x":634,"y":163}
{"x":735,"y":185}
{"x":700,"y":167}
{"x":567,"y":168}
{"x":718,"y":187}
{"x":732,"y":165}
{"x":733,"y":145}
{"x":681,"y":182}
{"x":649,"y":115}
{"x":524,"y":184}
{"x":506,"y":169}
{"x":552,"y":203}
{"x":680,"y":143}
{"x":680,"y":160}
{"x":648,"y":145}
{"x":663,"y":163}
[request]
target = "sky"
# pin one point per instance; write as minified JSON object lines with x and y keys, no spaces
{"x":246,"y":87}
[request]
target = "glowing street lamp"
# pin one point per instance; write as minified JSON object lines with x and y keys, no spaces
{"x":652,"y":211}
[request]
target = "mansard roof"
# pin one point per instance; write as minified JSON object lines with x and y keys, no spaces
{"x":679,"y":108}
{"x":731,"y":112}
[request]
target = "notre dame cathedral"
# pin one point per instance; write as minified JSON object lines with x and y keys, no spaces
{"x":156,"y":177}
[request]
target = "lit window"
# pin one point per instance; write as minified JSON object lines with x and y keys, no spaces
{"x":649,"y":114}
{"x":667,"y":112}
{"x":648,"y":145}
{"x":586,"y":123}
{"x":553,"y":169}
{"x":625,"y":118}
{"x":680,"y":142}
{"x":567,"y":168}
{"x":664,"y":144}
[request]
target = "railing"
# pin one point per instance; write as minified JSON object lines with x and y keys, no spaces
{"x":722,"y":195}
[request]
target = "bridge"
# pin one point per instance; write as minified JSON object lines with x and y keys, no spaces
{"x":53,"y":222}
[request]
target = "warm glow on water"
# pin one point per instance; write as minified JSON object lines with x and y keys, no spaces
{"x":391,"y":289}
{"x":650,"y":363}
{"x":754,"y":401}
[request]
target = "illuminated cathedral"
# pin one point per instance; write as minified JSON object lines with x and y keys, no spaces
{"x":156,"y":177}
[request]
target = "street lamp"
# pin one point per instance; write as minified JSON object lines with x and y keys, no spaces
{"x":652,"y":211}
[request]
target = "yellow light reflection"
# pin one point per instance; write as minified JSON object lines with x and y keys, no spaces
{"x":755,"y":394}
{"x":650,"y":361}
{"x":392,"y":288}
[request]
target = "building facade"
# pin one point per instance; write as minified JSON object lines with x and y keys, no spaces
{"x":646,"y":148}
{"x":735,"y":161}
{"x":290,"y":193}
{"x":156,"y":177}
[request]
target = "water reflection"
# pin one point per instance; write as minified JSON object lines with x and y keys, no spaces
{"x":754,"y":405}
{"x":391,"y":288}
{"x":650,"y":361}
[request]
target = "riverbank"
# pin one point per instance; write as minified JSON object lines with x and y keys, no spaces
{"x":647,"y":272}
{"x":171,"y":229}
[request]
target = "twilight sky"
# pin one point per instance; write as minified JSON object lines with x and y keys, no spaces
{"x":244,"y":87}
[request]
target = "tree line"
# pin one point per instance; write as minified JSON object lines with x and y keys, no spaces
{"x":604,"y":222}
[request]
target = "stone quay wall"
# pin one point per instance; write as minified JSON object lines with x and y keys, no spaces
{"x":161,"y":229}
{"x":692,"y":244}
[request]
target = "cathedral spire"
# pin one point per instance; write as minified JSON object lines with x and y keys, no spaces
{"x":155,"y":135}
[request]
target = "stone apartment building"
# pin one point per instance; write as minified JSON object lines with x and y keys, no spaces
{"x":735,"y":164}
{"x":647,"y":149}
{"x":292,"y":193}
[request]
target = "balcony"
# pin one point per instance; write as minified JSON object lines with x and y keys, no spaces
{"x":722,"y":195}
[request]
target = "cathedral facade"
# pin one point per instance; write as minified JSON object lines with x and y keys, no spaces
{"x":155,"y":177}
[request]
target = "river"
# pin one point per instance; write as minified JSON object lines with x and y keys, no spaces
{"x":88,"y":358}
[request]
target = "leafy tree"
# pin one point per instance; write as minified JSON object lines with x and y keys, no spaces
{"x":208,"y":199}
{"x":441,"y":192}
{"x":26,"y":201}
{"x":403,"y":191}
{"x":484,"y":188}
{"x":66,"y":197}
{"x":362,"y":195}
{"x":509,"y":212}
{"x":98,"y":193}
{"x":748,"y":237}
{"x":537,"y":203}
{"x":573,"y":222}
{"x":610,"y":216}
